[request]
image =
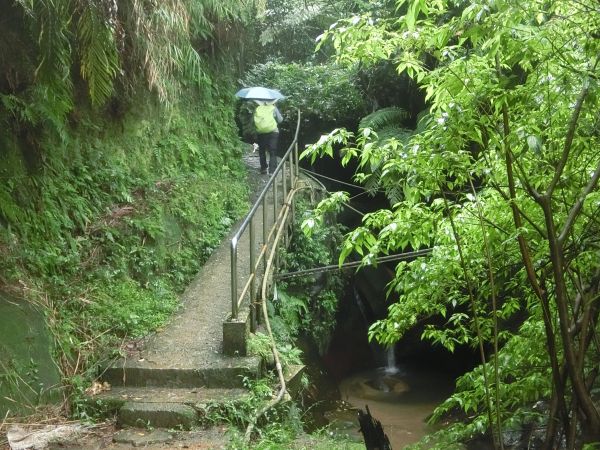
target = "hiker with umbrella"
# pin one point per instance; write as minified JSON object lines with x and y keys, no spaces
{"x":264,"y":121}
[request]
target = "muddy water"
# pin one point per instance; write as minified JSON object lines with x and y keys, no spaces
{"x":401,"y":395}
{"x":400,"y":398}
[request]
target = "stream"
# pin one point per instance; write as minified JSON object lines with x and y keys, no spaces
{"x":400,"y":385}
{"x":400,"y":398}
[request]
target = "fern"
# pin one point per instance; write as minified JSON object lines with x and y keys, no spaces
{"x":423,"y":119}
{"x":162,"y":45}
{"x":159,"y":40}
{"x":292,"y":309}
{"x":372,"y":182}
{"x":395,"y":194}
{"x":99,"y":58}
{"x":383,"y":117}
{"x":394,"y":132}
{"x":48,"y":23}
{"x":204,"y":14}
{"x":9,"y":211}
{"x":387,"y":122}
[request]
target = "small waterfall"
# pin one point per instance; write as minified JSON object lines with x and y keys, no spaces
{"x":391,"y":367}
{"x":385,"y":359}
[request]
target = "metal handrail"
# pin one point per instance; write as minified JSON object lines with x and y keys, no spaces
{"x":289,"y":158}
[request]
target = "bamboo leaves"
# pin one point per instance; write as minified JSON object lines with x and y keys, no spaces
{"x":110,"y":42}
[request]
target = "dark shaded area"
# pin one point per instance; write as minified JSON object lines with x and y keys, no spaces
{"x":28,"y":375}
{"x":375,"y":437}
{"x":17,"y":57}
{"x":350,"y":350}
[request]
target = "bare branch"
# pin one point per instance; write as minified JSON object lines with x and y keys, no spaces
{"x":570,"y":133}
{"x":524,"y":179}
{"x":574,"y":212}
{"x":506,"y":197}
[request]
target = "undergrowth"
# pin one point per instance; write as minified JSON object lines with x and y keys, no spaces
{"x":307,"y":304}
{"x":280,"y":428}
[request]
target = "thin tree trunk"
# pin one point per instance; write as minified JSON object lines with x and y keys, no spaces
{"x":584,"y":399}
{"x":497,"y":440}
{"x":526,"y":258}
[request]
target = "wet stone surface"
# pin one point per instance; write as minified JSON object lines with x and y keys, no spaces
{"x":139,"y":438}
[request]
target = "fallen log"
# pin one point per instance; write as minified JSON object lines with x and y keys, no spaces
{"x":372,"y":431}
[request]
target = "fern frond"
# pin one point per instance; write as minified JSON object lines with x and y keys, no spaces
{"x":423,"y":119}
{"x":394,"y":132}
{"x":383,"y":117}
{"x":99,"y":56}
{"x":48,"y":22}
{"x":395,"y":194}
{"x":9,"y":210}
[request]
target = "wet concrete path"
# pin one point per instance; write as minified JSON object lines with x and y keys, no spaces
{"x":193,"y":337}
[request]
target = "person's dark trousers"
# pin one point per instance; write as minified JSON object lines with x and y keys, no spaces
{"x":267,"y":142}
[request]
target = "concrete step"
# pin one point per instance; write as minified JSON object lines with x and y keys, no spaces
{"x":162,"y":407}
{"x":228,"y":373}
{"x":168,"y":407}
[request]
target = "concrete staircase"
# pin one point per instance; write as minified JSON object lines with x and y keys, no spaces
{"x":161,"y":407}
{"x":188,"y":404}
{"x":168,"y":384}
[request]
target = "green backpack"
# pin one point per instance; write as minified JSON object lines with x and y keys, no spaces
{"x":264,"y":119}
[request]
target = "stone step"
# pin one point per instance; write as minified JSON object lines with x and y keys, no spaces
{"x":157,"y":415}
{"x":162,"y":407}
{"x":165,"y":407}
{"x":229,"y":373}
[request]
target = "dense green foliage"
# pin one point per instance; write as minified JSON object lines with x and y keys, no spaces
{"x":500,"y":178}
{"x":288,"y":28}
{"x":107,"y":234}
{"x":303,"y":307}
{"x":328,"y":95}
{"x":281,"y":428}
{"x":121,"y":167}
{"x":114,"y":188}
{"x":307,"y":304}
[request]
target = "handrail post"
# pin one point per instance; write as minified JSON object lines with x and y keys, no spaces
{"x":296,"y":160}
{"x":265,"y":243}
{"x":295,"y":150}
{"x":275,"y":199}
{"x":294,"y":172}
{"x":284,"y":180}
{"x":234,"y":304}
{"x":294,"y":179}
{"x":285,"y":194}
{"x":252,"y":274}
{"x":291,"y":164}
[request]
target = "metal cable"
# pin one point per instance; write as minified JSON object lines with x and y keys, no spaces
{"x":312,"y":176}
{"x":330,"y":268}
{"x":332,"y":179}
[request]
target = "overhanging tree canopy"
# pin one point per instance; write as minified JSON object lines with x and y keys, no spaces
{"x":501,"y":177}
